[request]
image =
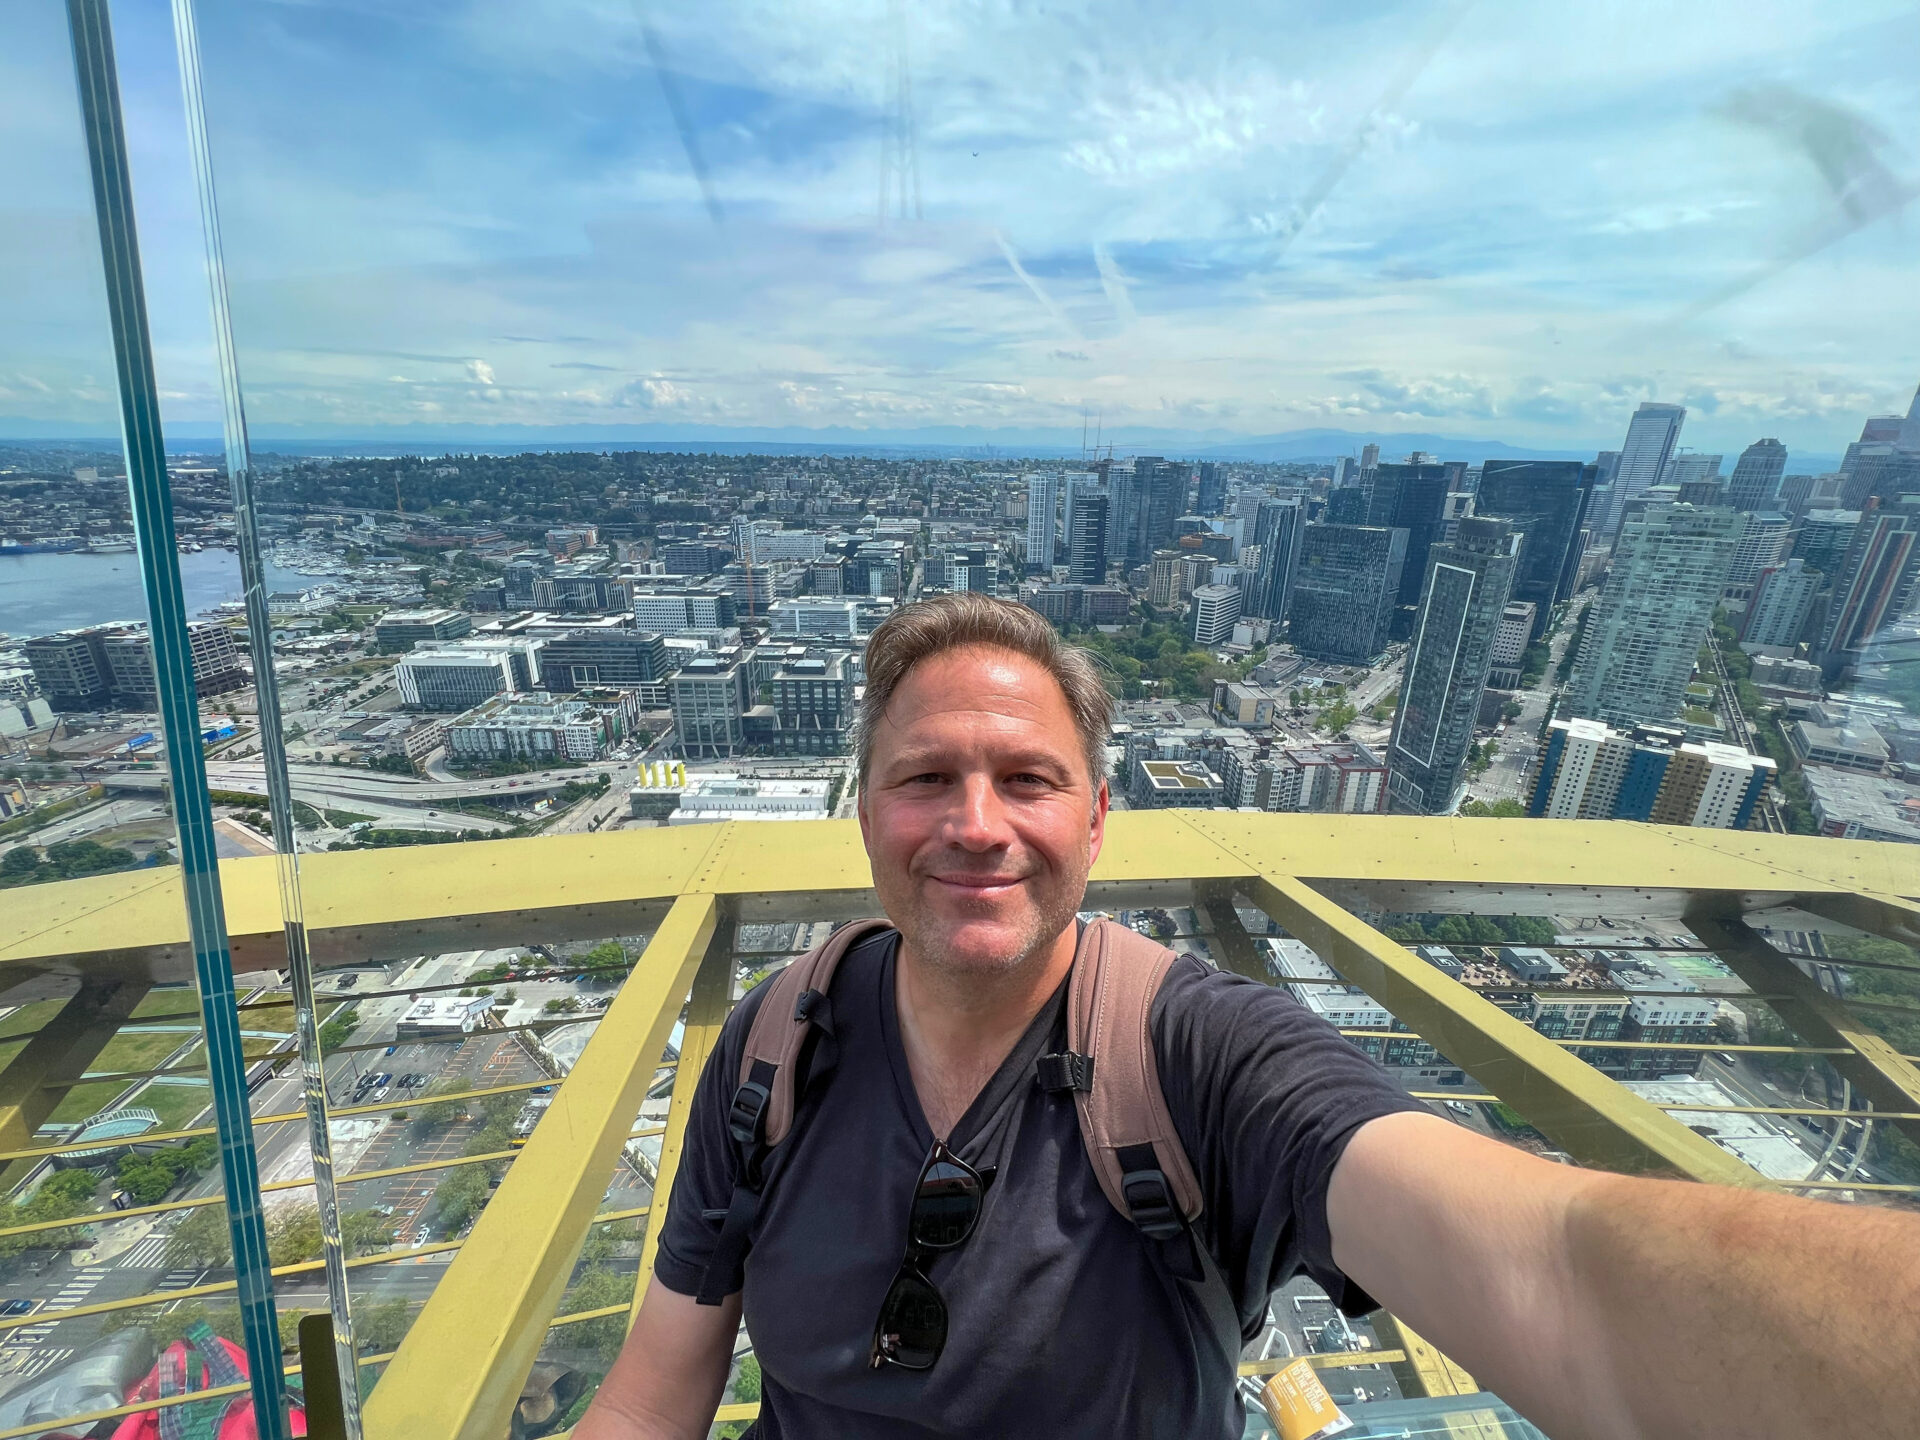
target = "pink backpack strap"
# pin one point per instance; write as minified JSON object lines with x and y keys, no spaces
{"x":783,"y":1023}
{"x":1115,"y":1079}
{"x":761,"y":1115}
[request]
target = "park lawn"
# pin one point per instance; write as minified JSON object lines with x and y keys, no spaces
{"x":176,"y":1002}
{"x":83,"y":1102}
{"x":135,"y":1049}
{"x":29,"y":1018}
{"x":176,"y":1105}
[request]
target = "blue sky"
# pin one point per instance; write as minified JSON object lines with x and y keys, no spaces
{"x":1500,"y":220}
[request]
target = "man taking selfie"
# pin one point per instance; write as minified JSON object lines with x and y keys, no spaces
{"x":926,"y":1208}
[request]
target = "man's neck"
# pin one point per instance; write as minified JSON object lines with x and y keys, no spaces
{"x":958,"y":1030}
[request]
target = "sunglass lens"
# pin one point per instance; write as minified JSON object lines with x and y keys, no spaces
{"x":945,"y":1206}
{"x":913,"y":1323}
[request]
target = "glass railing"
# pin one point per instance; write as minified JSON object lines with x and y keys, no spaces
{"x":586,"y":387}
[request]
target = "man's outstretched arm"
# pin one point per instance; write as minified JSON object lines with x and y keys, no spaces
{"x":667,"y":1380}
{"x":1605,"y":1307}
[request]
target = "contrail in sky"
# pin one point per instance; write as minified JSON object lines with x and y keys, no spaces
{"x":682,"y":121}
{"x":1046,"y":300}
{"x":1410,"y":70}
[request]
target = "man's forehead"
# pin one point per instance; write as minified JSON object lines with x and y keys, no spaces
{"x":990,"y":691}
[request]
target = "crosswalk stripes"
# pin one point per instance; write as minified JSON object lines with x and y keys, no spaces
{"x":42,"y":1361}
{"x":146,"y":1255}
{"x":177,"y":1280}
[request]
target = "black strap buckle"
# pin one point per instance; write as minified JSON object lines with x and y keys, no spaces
{"x":748,"y":1111}
{"x":1065,"y":1071}
{"x":1150,"y":1204}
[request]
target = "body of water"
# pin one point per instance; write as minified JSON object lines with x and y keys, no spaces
{"x":43,"y":593}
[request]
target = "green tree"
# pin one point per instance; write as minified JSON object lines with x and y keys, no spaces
{"x":598,"y":1289}
{"x":460,"y":1197}
{"x":200,"y":1241}
{"x":381,"y":1327}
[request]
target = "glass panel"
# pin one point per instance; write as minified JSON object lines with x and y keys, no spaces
{"x":1398,"y":441}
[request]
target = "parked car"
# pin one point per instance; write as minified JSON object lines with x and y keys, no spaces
{"x":18,"y":1307}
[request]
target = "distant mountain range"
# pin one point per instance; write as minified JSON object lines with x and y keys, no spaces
{"x":948,"y":440}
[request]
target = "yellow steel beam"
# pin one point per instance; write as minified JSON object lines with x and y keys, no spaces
{"x":1872,"y":1063}
{"x":459,"y":1371}
{"x":1882,"y":915}
{"x":1424,"y":1370}
{"x":1590,"y":1116}
{"x":1214,"y":901}
{"x":394,"y":903}
{"x":53,"y":1060}
{"x":707,"y":1010}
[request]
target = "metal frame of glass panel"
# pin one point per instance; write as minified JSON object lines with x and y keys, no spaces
{"x":461,"y":1367}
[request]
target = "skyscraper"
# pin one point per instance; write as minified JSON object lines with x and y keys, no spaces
{"x":1215,"y":608}
{"x":1909,"y":438}
{"x":1282,"y":523}
{"x":1164,"y":500}
{"x":1043,"y":498}
{"x":1087,"y":542}
{"x":1783,"y":597}
{"x":1756,"y":476}
{"x":1687,"y":466}
{"x":1413,"y":497}
{"x":1822,"y":538}
{"x":1212,"y":499}
{"x":1763,"y":540}
{"x":1344,"y":590}
{"x":1072,"y":483}
{"x":1547,"y":502}
{"x":1669,"y":566}
{"x":1461,"y":603}
{"x":1875,"y":584}
{"x":1652,"y":435}
{"x":1126,"y":514}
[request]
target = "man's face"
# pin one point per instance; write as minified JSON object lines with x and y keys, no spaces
{"x":979,"y":816}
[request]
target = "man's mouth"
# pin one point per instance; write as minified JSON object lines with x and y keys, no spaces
{"x":980,"y":886}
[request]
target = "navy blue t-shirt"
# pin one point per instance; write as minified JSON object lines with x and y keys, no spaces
{"x":1063,"y":1319}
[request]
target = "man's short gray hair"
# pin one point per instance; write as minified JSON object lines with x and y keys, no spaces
{"x":927,"y":628}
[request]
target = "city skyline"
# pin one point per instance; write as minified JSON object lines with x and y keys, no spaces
{"x":1166,"y":225}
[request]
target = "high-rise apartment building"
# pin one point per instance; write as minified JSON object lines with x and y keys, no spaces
{"x":1212,"y":496}
{"x":1414,"y":498}
{"x":1823,"y":537}
{"x":1344,"y":591}
{"x":1215,"y":608}
{"x":1282,"y":524}
{"x":1756,"y":476}
{"x":1461,"y":607}
{"x":90,"y":669}
{"x":1763,"y":541}
{"x":680,"y":610}
{"x":1783,"y":596}
{"x":1643,"y":634}
{"x":1043,"y":503}
{"x":1547,"y":501}
{"x":1874,"y":586}
{"x":1590,"y":771}
{"x":1087,"y":539}
{"x":1652,"y":436}
{"x":71,"y":669}
{"x":1164,"y":500}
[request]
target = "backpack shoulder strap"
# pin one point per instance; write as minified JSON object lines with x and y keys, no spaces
{"x":780,"y":1028}
{"x":761,"y":1115}
{"x":1129,"y":1134}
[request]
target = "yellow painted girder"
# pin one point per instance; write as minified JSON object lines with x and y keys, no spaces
{"x":461,"y":1367}
{"x":439,"y":897}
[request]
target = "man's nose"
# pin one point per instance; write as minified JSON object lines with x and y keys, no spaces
{"x":977,"y":820}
